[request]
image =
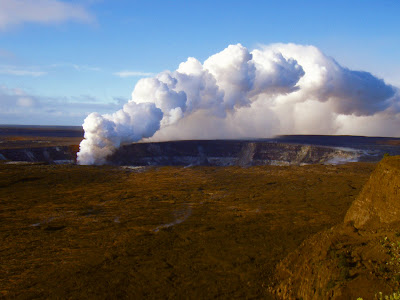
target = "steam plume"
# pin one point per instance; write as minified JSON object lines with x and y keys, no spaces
{"x":276,"y":89}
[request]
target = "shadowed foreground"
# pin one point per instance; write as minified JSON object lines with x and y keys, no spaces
{"x":170,"y":232}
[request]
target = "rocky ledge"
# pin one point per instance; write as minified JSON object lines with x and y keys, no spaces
{"x":358,"y":258}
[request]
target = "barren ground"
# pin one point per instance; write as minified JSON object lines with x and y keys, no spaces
{"x":165,"y":232}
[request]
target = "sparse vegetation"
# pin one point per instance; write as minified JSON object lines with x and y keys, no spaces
{"x":394,"y":296}
{"x":380,"y":296}
{"x":157,"y":232}
{"x":392,"y":248}
{"x":391,"y":268}
{"x":93,"y":228}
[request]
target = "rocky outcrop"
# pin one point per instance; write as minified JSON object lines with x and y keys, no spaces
{"x":350,"y":260}
{"x":379,"y":201}
{"x":340,"y":263}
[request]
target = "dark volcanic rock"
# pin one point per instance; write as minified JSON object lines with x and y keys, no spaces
{"x":61,"y":154}
{"x":283,"y":150}
{"x":228,"y":153}
{"x":43,"y":131}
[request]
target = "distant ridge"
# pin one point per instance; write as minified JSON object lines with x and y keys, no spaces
{"x":337,"y":140}
{"x":39,"y":130}
{"x":66,"y":127}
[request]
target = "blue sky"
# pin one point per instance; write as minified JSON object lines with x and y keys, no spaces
{"x":61,"y":60}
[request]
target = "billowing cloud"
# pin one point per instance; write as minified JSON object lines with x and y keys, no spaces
{"x":133,"y":122}
{"x":15,"y":12}
{"x":237,"y":93}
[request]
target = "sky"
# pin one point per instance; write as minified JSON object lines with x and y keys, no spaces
{"x":62,"y":60}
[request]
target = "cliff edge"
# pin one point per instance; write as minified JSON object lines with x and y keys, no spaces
{"x":357,"y":258}
{"x":379,"y":201}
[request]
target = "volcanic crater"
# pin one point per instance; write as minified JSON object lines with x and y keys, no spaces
{"x":199,"y":219}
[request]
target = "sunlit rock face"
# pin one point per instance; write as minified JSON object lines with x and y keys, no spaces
{"x":378,"y":203}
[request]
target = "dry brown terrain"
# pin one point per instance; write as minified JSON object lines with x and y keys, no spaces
{"x":359,"y":257}
{"x":166,"y":232}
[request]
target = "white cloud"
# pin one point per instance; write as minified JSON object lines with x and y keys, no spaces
{"x":17,"y":106}
{"x":38,"y":71}
{"x":85,"y":68}
{"x":11,"y":70}
{"x":15,"y":12}
{"x":25,"y":102}
{"x":124,"y":74}
{"x":76,"y":67}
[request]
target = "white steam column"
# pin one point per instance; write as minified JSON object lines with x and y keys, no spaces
{"x":277,"y":89}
